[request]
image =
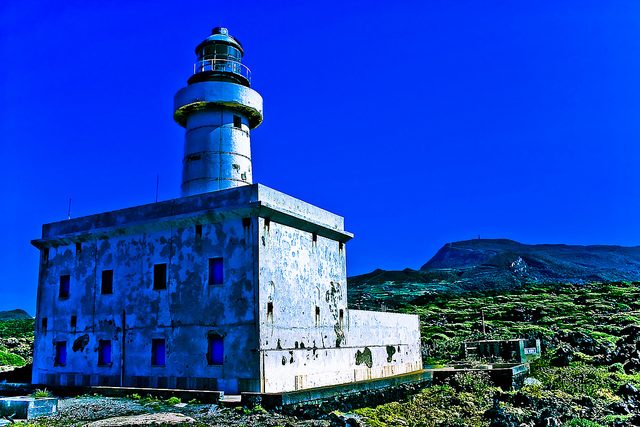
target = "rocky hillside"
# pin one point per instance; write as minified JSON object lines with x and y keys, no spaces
{"x":16,"y":314}
{"x":496,"y":264}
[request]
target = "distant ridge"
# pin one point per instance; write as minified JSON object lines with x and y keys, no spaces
{"x":16,"y":314}
{"x":486,"y":264}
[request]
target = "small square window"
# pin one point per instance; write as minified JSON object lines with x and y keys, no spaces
{"x":198,"y":231}
{"x":216,"y":271}
{"x":158,"y":352}
{"x":341,"y":317}
{"x":61,"y":353}
{"x":317,"y":314}
{"x":78,"y":248}
{"x":341,"y":246}
{"x":107,"y":282}
{"x":74,"y":321}
{"x":44,"y":322}
{"x":237,"y":122}
{"x":104,"y":352}
{"x":160,"y":276}
{"x":65,"y":285}
{"x":314,"y":237}
{"x":215,"y":354}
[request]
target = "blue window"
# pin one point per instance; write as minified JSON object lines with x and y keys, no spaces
{"x":158,"y":352}
{"x":61,"y":353}
{"x":104,"y":352}
{"x":215,"y":355}
{"x":216,"y":271}
{"x":65,"y":285}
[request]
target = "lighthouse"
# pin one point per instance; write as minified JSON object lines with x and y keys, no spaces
{"x":218,"y":110}
{"x":234,"y":287}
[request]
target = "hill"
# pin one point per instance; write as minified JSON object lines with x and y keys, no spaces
{"x":16,"y":314}
{"x":496,"y":264}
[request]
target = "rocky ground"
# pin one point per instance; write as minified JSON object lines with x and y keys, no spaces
{"x":98,"y":411}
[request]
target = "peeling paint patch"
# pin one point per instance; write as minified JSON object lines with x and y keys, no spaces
{"x":80,"y":343}
{"x":391,"y":350}
{"x":364,"y":357}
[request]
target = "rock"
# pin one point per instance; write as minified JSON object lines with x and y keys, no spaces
{"x":584,"y":343}
{"x":620,"y":408}
{"x":166,"y":418}
{"x":532,"y":381}
{"x":629,"y":391}
{"x":499,"y":417}
{"x":586,"y":401}
{"x":632,"y":366}
{"x":631,"y":330}
{"x":563,"y":357}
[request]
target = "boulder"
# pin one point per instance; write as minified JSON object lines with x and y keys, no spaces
{"x":164,"y":419}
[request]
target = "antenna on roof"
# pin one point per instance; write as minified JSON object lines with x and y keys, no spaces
{"x":69,"y":210}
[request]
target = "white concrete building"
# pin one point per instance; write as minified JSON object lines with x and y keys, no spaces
{"x":233,"y":287}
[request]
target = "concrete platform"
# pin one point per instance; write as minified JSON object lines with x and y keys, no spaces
{"x":27,"y":407}
{"x":204,"y":396}
{"x":321,"y":394}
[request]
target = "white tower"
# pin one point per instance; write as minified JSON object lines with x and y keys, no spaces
{"x":218,"y":109}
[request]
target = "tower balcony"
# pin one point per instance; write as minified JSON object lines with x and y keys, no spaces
{"x":219,"y":65}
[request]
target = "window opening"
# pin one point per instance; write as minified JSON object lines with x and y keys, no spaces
{"x":107,"y":282}
{"x":61,"y":353}
{"x":104,"y":352}
{"x":215,"y":355}
{"x":270,"y":309}
{"x":65,"y":285}
{"x":216,"y":271}
{"x":158,"y":352}
{"x":160,"y":276}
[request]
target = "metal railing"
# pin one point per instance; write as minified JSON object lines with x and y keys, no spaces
{"x":224,"y":65}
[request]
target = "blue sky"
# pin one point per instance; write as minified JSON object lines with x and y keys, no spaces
{"x":421,"y":122}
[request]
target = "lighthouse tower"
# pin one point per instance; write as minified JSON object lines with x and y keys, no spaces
{"x":218,"y":109}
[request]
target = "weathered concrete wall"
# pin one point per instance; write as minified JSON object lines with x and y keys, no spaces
{"x":308,"y":337}
{"x":282,"y":308}
{"x":183,"y":314}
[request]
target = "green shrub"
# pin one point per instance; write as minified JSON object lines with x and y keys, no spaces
{"x":10,"y":359}
{"x":40,"y":393}
{"x":581,"y":422}
{"x":17,"y":328}
{"x":476,"y":382}
{"x":173,"y":400}
{"x":577,"y":380}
